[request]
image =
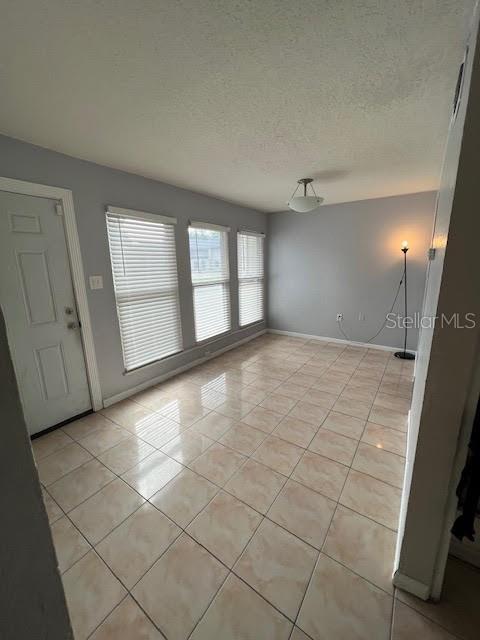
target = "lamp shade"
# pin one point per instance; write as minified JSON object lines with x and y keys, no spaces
{"x":304,"y":204}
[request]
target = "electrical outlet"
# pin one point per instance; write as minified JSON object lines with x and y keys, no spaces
{"x":361,"y":316}
{"x":339,"y":317}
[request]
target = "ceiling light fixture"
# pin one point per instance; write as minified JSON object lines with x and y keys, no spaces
{"x":305,"y":203}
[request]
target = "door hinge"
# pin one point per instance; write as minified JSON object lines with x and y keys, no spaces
{"x":58,"y":209}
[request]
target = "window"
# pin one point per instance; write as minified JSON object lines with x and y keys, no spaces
{"x":144,"y":266}
{"x":250,"y":277}
{"x":210,"y":279}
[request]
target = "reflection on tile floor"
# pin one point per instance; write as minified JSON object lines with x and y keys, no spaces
{"x":254,"y":497}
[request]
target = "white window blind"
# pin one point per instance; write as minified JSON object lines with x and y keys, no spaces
{"x":210,"y":279}
{"x":144,"y":266}
{"x":250,"y":277}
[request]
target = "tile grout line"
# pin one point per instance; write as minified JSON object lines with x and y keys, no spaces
{"x":393,"y":597}
{"x":319,"y":551}
{"x":323,"y":545}
{"x":159,"y":449}
{"x":247,"y":457}
{"x":109,"y":569}
{"x":231,"y":570}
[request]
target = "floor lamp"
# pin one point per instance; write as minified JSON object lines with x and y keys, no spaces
{"x":405,"y":355}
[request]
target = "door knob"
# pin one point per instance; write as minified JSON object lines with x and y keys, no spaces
{"x":68,"y":311}
{"x":72,"y":325}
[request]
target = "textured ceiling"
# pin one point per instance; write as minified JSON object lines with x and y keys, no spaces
{"x":239,"y":98}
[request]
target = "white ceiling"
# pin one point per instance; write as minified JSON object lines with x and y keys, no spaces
{"x":239,"y":98}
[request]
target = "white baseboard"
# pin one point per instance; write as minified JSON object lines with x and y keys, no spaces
{"x":107,"y":402}
{"x":307,"y":336}
{"x":411,"y":585}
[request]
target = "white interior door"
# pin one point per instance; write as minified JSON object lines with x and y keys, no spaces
{"x":38,"y":302}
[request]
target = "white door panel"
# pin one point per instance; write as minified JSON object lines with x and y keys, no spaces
{"x":34,"y":278}
{"x":37,"y":298}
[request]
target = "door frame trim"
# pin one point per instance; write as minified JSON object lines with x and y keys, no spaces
{"x":65,"y":197}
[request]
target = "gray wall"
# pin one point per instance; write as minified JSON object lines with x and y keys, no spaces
{"x":93,"y":188}
{"x":31,"y":592}
{"x":346,"y":258}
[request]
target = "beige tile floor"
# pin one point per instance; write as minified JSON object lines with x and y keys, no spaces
{"x":254,"y":497}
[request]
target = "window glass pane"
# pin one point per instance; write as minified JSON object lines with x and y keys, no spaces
{"x":250,"y":301}
{"x":250,"y":278}
{"x":210,"y":280}
{"x":208,"y":255}
{"x":212,"y":310}
{"x":250,"y":256}
{"x":144,"y":268}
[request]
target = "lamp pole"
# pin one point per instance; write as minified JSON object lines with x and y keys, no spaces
{"x":405,"y":355}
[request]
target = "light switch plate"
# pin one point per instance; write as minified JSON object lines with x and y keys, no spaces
{"x":96,"y":282}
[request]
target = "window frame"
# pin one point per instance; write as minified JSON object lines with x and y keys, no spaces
{"x":261,"y":235}
{"x":133,"y":214}
{"x":195,"y":224}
